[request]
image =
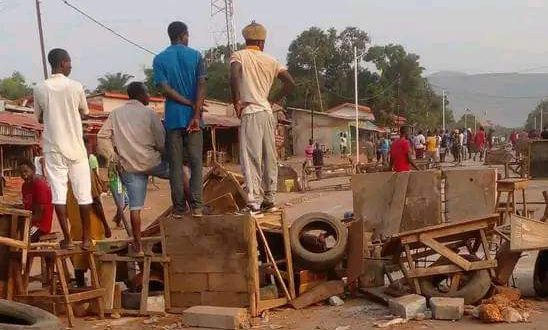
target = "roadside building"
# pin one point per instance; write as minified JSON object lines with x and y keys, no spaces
{"x":329,"y":126}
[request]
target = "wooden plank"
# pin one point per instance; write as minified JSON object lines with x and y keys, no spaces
{"x":224,"y":204}
{"x":144,"y":290}
{"x":447,"y":230}
{"x":447,"y":253}
{"x":355,"y":248}
{"x":253,"y":289}
{"x":273,"y":261}
{"x":506,"y":262}
{"x":226,"y":282}
{"x":288,"y":256}
{"x":412,"y":268}
{"x":108,"y":282}
{"x":14,"y":243}
{"x":318,"y":293}
{"x":86,"y":295}
{"x":271,"y":303}
{"x":449,"y":269}
{"x":221,"y":263}
{"x":196,"y":282}
{"x":527,"y":234}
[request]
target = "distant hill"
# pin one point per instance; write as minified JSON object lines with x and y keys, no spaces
{"x":507,"y":97}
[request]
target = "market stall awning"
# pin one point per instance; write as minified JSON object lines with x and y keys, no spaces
{"x":368,"y":126}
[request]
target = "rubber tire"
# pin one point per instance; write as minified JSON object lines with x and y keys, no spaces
{"x":476,"y":289}
{"x":39,"y":319}
{"x":540,"y":275}
{"x":318,"y":261}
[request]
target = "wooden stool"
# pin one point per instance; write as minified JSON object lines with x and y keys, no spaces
{"x":57,"y":272}
{"x":510,"y":186}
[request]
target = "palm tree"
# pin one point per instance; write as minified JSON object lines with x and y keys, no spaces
{"x":114,"y":82}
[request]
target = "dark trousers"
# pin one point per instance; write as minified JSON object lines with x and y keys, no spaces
{"x":181,"y":146}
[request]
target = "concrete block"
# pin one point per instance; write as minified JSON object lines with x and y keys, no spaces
{"x":407,"y":306}
{"x":215,"y":317}
{"x":447,"y":308}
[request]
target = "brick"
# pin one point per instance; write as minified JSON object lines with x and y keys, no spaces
{"x":447,"y":308}
{"x":215,"y":317}
{"x":228,"y":299}
{"x":188,"y":282}
{"x":184,"y":299}
{"x":408,"y":306}
{"x":227,"y":282}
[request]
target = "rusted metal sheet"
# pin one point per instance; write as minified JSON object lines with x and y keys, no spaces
{"x":469,"y":193}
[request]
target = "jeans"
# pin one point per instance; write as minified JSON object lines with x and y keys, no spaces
{"x":182,"y":145}
{"x":136,"y":184}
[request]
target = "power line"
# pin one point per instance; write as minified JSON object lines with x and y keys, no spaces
{"x":80,"y":11}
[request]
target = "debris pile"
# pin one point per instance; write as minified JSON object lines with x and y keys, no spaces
{"x":505,"y":305}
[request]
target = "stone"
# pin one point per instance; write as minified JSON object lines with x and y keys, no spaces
{"x":407,"y":307}
{"x":511,"y":315}
{"x":447,"y":308}
{"x":391,"y":323}
{"x":336,"y":301}
{"x":490,"y":313}
{"x":215,"y":317}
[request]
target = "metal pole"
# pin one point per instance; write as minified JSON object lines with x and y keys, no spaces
{"x":465,"y":117}
{"x":356,"y":105}
{"x":41,"y":35}
{"x":318,"y":84}
{"x":475,"y":124}
{"x":443,"y":109}
{"x":541,"y":116}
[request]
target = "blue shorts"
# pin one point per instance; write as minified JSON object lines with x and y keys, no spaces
{"x":136,"y":184}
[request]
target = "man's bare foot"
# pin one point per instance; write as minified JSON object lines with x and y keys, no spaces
{"x":66,"y":244}
{"x":108,"y":232}
{"x":136,"y":250}
{"x":86,"y":245}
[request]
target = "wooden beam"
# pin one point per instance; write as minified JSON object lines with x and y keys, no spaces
{"x":444,"y":251}
{"x":449,"y":269}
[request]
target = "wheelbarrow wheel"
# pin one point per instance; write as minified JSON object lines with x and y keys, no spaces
{"x":473,"y":285}
{"x":540,"y":275}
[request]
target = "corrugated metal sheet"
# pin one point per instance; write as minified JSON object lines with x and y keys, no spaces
{"x":20,"y":120}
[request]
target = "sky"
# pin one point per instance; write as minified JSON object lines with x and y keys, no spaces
{"x":466,"y":35}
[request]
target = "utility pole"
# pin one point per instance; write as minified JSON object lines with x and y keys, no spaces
{"x":541,"y":116}
{"x":41,"y":35}
{"x":443,"y":109}
{"x":356,"y":105}
{"x":318,"y":83}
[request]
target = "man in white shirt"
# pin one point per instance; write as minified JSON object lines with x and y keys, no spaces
{"x":419,"y":143}
{"x":252,"y":73}
{"x":60,"y":103}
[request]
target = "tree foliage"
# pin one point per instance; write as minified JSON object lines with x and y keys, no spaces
{"x":14,"y":87}
{"x":395,"y":86}
{"x":114,"y":82}
{"x":530,"y":123}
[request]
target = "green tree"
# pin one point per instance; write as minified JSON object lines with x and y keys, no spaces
{"x":114,"y":82}
{"x":149,"y":82}
{"x":14,"y":87}
{"x":530,"y":122}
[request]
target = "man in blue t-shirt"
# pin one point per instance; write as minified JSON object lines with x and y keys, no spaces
{"x":180,"y":72}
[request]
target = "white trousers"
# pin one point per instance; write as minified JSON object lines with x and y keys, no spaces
{"x":60,"y":169}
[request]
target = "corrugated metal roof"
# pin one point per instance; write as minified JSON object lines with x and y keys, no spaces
{"x":20,"y":120}
{"x":12,"y":140}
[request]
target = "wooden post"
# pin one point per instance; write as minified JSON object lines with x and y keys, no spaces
{"x":214,"y":143}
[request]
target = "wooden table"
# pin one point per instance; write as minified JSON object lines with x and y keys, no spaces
{"x":19,"y":228}
{"x":444,"y":240}
{"x":510,"y":186}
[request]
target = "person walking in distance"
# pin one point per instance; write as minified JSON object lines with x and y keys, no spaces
{"x":401,"y":159}
{"x":60,"y":103}
{"x":180,"y":72}
{"x":252,"y":73}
